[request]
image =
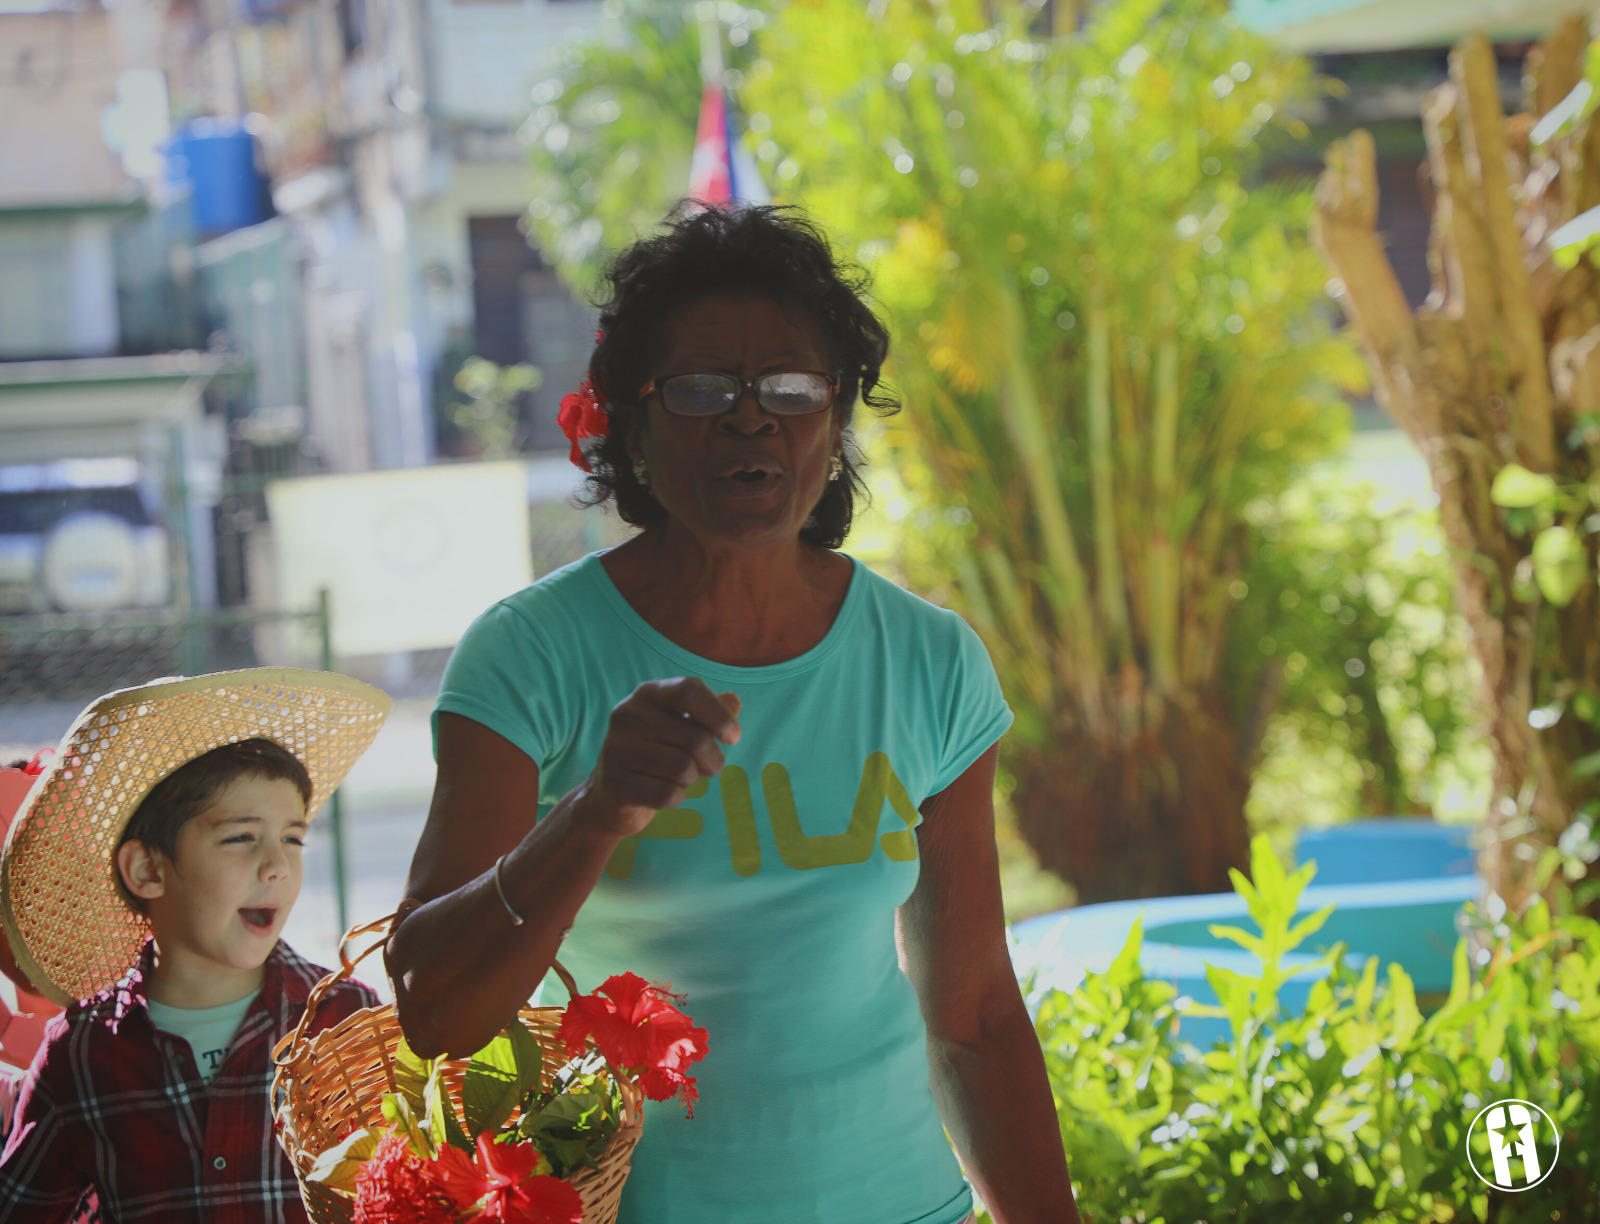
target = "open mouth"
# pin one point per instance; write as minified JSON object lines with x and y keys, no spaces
{"x":750,"y":477}
{"x":259,"y":918}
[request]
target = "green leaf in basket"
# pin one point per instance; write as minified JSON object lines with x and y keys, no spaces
{"x":397,"y":1112}
{"x":411,"y":1072}
{"x":443,"y":1125}
{"x":570,"y":1156}
{"x":572,"y":1130}
{"x":498,"y":1076}
{"x":337,"y":1167}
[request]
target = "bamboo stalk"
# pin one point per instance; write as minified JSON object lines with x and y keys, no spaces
{"x":1013,"y":607}
{"x":1109,"y":590}
{"x":1034,"y":447}
{"x":1162,"y":580}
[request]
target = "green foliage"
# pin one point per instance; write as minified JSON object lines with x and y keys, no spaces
{"x":489,"y":414}
{"x":1379,"y":687}
{"x":499,"y":1076}
{"x":1110,"y":344}
{"x":572,"y":1121}
{"x":1356,"y":1108}
{"x":337,"y":1167}
{"x":612,"y":129}
{"x":569,"y":1117}
{"x":400,"y":1111}
{"x":1559,"y":517}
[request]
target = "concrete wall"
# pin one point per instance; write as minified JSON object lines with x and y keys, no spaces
{"x":484,"y":55}
{"x":58,"y":73}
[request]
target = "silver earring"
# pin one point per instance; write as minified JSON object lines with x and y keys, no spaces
{"x":811,"y":522}
{"x":641,"y":473}
{"x":835,"y":468}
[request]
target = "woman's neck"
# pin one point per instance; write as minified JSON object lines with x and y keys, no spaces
{"x":746,"y":606}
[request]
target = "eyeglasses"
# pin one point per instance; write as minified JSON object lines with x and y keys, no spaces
{"x":789,"y":393}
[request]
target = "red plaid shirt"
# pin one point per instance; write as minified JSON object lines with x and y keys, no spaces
{"x":114,"y":1105}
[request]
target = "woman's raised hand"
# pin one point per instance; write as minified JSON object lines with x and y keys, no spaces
{"x":663,"y":738}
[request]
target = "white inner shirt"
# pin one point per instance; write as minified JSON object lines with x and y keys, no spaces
{"x":208,"y":1030}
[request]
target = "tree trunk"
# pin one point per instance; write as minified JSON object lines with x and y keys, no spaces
{"x":1487,"y":373}
{"x":1155,"y":812}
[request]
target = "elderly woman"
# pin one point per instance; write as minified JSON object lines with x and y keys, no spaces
{"x":726,"y":756}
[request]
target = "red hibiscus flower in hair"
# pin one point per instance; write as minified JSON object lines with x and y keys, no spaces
{"x":639,"y":1031}
{"x":583,"y":416}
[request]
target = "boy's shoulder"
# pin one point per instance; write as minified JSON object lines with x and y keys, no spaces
{"x":87,"y":1023}
{"x":295,"y":979}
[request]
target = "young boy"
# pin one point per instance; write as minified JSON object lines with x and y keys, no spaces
{"x":152,"y":1093}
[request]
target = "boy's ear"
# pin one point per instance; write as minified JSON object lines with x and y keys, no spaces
{"x":143,"y":870}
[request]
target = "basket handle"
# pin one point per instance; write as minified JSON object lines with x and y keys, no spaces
{"x":347,"y":967}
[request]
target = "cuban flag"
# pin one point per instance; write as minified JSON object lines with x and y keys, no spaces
{"x":723,"y":174}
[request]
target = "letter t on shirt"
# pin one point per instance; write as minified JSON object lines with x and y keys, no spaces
{"x":208,"y":1030}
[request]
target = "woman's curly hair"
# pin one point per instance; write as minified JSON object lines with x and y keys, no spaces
{"x":774,"y":251}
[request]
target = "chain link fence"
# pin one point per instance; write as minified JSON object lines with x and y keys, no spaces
{"x":52,"y":666}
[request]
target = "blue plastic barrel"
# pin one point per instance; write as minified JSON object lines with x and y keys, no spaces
{"x":218,"y":159}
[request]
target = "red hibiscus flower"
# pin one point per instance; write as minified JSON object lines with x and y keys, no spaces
{"x":504,"y":1184}
{"x":397,"y":1184}
{"x":582,"y":416}
{"x":639,"y":1031}
{"x":518,"y":1195}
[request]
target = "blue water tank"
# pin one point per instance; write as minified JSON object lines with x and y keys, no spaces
{"x":219,"y":160}
{"x":1391,"y":848}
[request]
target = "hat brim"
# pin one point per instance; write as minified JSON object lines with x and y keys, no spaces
{"x":68,"y":925}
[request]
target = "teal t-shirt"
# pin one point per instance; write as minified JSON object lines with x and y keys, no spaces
{"x":768,"y":900}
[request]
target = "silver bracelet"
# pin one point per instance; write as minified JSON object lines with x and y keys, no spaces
{"x":516,"y":918}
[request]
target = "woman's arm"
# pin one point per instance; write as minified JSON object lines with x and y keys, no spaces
{"x":461,"y":967}
{"x":988,"y":1073}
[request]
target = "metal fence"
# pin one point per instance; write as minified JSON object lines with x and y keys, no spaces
{"x":52,"y":666}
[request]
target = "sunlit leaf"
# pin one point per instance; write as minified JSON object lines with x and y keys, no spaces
{"x":1515,"y":487}
{"x":1580,"y":234}
{"x":411,"y":1073}
{"x":397,"y":1111}
{"x":498,"y":1077}
{"x":337,"y":1167}
{"x":443,"y":1124}
{"x":1560,"y":564}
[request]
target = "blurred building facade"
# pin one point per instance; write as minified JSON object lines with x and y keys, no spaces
{"x":109,"y":463}
{"x":316,"y":203}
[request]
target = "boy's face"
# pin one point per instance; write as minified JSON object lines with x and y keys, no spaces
{"x":223,"y":900}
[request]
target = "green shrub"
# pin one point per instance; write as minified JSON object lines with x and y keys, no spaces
{"x":1354,"y":1110}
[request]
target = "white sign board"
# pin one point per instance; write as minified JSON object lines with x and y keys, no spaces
{"x":409,"y":557}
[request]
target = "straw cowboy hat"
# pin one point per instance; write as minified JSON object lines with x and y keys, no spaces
{"x":64,"y":916}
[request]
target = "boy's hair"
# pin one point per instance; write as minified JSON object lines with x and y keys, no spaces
{"x":193,"y":787}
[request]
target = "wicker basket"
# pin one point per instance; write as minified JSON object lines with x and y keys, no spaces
{"x":329,"y":1084}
